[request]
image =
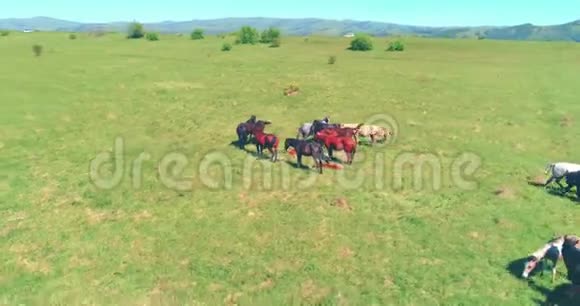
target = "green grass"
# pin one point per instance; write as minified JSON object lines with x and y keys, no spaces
{"x":66,"y":242}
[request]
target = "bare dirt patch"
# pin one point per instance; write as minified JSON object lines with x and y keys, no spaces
{"x":346,"y":252}
{"x":291,"y":90}
{"x":34,"y":266}
{"x":341,"y":203}
{"x":96,"y":217}
{"x":505,"y":192}
{"x":537,"y":180}
{"x":566,"y":121}
{"x":141,"y":216}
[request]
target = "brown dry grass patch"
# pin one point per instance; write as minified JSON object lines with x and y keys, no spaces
{"x":312,"y":293}
{"x":341,"y":203}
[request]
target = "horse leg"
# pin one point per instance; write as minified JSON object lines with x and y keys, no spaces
{"x":558,"y":180}
{"x":318,"y":162}
{"x":259,"y":149}
{"x":272,"y":153}
{"x":299,"y":159}
{"x":550,"y":180}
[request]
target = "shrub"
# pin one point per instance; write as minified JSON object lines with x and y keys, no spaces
{"x":226,"y":47}
{"x":135,"y":30}
{"x":72,"y":36}
{"x":306,"y":39}
{"x":248,"y":35}
{"x":331,"y":60}
{"x":4,"y":33}
{"x":361,"y":42}
{"x":37,"y":49}
{"x":270,"y":35}
{"x":396,"y":46}
{"x":197,"y":34}
{"x":275,"y":43}
{"x":152,"y":36}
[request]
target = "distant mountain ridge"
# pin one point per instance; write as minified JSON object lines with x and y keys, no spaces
{"x":311,"y":26}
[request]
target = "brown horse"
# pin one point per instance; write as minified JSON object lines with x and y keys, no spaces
{"x":339,"y":143}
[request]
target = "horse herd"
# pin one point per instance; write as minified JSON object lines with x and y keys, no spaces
{"x":312,"y":139}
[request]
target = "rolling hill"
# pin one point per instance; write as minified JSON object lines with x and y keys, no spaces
{"x":312,"y":26}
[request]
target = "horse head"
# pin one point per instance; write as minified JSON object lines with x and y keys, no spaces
{"x":288,"y":143}
{"x":252,"y":119}
{"x":529,"y":266}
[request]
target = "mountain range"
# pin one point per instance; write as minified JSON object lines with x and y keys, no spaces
{"x":311,"y":26}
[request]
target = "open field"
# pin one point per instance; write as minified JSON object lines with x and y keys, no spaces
{"x":64,"y":241}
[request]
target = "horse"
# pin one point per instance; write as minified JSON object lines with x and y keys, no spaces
{"x":268,"y":141}
{"x":319,"y":125}
{"x":246,"y":129}
{"x":340,"y":143}
{"x":551,"y":251}
{"x":306,"y":127}
{"x":343,"y":132}
{"x":307,"y":148}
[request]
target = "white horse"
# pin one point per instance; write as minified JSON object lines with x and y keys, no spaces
{"x":559,"y":170}
{"x":551,"y":251}
{"x":304,"y":130}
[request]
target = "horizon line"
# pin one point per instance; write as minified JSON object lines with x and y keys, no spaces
{"x":289,"y":18}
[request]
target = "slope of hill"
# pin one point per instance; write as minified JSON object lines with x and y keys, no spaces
{"x":313,"y":26}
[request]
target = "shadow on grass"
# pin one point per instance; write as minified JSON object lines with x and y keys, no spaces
{"x":516,"y":268}
{"x":559,"y":192}
{"x":558,"y":296}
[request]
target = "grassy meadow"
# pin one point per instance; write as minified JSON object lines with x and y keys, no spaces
{"x":66,"y":242}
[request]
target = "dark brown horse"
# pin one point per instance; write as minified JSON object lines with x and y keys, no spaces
{"x":307,"y":148}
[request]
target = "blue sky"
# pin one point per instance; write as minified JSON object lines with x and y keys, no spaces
{"x":414,"y":12}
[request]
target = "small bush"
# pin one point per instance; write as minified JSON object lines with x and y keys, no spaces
{"x":37,"y":49}
{"x":248,"y":35}
{"x":361,"y":42}
{"x":135,"y":31}
{"x":396,"y":46}
{"x":275,"y":43}
{"x":197,"y":34}
{"x":152,"y":36}
{"x":226,"y":47}
{"x":4,"y":33}
{"x":72,"y":36}
{"x":306,"y":39}
{"x":270,"y":35}
{"x":331,"y":60}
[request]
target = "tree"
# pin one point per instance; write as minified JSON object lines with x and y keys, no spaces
{"x":197,"y":34}
{"x":361,"y":42}
{"x":270,"y":35}
{"x":248,"y":35}
{"x":135,"y":30}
